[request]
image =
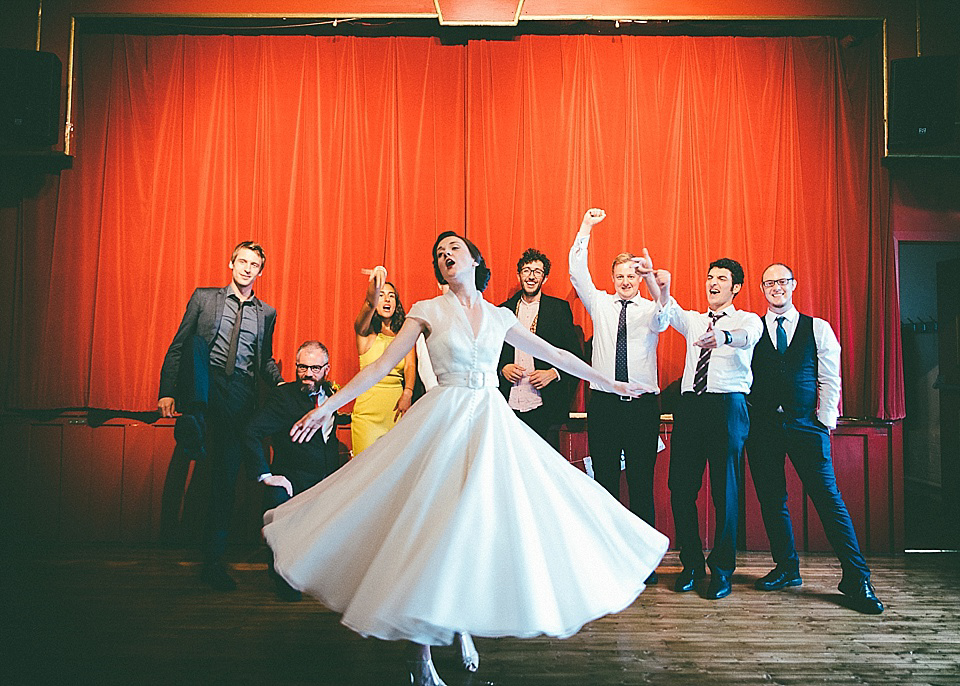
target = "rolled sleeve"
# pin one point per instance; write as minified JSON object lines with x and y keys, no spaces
{"x":828,"y":374}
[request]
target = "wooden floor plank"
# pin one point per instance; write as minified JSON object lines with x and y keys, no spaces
{"x":109,"y":615}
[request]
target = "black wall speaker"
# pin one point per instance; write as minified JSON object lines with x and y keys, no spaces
{"x":29,"y":98}
{"x":923,"y":103}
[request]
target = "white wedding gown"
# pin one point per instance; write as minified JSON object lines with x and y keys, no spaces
{"x":461,"y":518}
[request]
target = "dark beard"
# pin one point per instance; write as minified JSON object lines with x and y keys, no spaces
{"x":311,"y":389}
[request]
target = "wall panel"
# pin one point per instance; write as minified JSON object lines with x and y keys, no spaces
{"x":124,"y":482}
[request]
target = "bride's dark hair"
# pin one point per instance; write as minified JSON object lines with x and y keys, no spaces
{"x":482,"y":274}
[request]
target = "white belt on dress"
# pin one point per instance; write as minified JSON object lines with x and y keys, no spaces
{"x":474,"y":379}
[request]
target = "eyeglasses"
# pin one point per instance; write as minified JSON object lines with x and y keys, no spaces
{"x":315,"y":368}
{"x":770,"y":283}
{"x":530,"y":271}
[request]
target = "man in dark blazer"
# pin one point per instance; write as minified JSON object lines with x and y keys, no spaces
{"x":794,"y":404}
{"x":296,"y":466}
{"x":538,"y":393}
{"x":221,"y":351}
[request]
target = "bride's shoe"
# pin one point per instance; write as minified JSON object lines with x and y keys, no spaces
{"x":469,"y":656}
{"x":423,"y":673}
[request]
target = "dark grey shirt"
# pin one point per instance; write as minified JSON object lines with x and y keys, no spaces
{"x":246,"y":346}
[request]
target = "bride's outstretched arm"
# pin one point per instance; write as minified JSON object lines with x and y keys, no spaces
{"x":520,"y":337}
{"x":402,"y":343}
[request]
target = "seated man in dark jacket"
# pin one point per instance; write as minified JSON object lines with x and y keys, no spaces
{"x":296,"y":466}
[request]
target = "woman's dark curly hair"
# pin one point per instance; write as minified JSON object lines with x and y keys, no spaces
{"x":482,"y":274}
{"x":396,"y":319}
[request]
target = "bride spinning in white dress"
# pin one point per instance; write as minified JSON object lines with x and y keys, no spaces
{"x":461,"y":520}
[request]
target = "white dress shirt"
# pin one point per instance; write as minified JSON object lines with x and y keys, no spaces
{"x":729,"y":370}
{"x":523,"y":396}
{"x":828,"y":361}
{"x":645,"y":321}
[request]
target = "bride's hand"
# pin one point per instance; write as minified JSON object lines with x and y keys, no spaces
{"x":313,"y":421}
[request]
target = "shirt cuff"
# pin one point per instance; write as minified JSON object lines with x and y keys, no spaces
{"x":265,"y":475}
{"x":828,"y":419}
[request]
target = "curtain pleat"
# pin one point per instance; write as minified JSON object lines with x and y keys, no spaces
{"x":343,"y":153}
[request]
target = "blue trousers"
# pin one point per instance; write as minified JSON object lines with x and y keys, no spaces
{"x":709,"y":428}
{"x":807,"y":442}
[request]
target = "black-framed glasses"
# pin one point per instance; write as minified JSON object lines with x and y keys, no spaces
{"x":530,"y":271}
{"x":315,"y":368}
{"x":770,"y":283}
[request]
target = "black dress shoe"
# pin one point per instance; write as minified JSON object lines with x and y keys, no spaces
{"x":652,"y":580}
{"x":777,"y":579}
{"x":687,"y":579}
{"x":861,"y":595}
{"x":215,"y":575}
{"x":286,"y":592}
{"x":719,"y":587}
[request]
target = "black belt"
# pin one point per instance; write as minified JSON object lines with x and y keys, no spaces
{"x":622,"y":398}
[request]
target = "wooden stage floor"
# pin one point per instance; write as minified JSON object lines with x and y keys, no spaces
{"x":140,"y":616}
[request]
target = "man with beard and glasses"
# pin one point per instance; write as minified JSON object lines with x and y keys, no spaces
{"x":537,"y":392}
{"x":296,"y":466}
{"x":626,"y":329}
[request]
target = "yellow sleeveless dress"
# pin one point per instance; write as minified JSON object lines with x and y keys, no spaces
{"x":373,"y":410}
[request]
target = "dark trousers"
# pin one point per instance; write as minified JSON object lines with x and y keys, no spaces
{"x":709,"y":428}
{"x":300,"y":480}
{"x":807,"y":442}
{"x":193,"y":375}
{"x":541,"y":421}
{"x":230,"y":402}
{"x":615,"y":425}
{"x":274,"y":496}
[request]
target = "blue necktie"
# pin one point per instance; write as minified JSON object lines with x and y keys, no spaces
{"x":781,"y":336}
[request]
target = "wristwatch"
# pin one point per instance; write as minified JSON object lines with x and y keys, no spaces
{"x":727,"y":337}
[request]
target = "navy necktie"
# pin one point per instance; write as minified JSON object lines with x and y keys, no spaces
{"x":620,"y":368}
{"x":781,"y":336}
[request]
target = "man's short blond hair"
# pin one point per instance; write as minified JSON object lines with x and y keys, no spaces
{"x":621,"y":258}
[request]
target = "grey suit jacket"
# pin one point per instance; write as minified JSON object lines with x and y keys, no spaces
{"x":202,"y":317}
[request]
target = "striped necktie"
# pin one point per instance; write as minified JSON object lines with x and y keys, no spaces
{"x":700,"y":377}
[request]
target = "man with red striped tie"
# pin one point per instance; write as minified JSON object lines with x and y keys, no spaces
{"x":711,"y":421}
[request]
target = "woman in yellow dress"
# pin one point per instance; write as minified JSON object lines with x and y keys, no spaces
{"x":380,"y":318}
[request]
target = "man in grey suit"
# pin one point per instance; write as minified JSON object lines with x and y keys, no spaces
{"x":222,"y":350}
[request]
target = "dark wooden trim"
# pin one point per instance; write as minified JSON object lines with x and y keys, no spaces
{"x":123,"y":481}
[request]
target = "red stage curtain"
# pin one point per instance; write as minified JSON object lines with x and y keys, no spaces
{"x":341,"y":153}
